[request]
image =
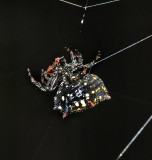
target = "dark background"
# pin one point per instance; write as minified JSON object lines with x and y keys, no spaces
{"x":32,"y":34}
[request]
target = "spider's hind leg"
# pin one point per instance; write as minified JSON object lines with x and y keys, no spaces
{"x":38,"y":84}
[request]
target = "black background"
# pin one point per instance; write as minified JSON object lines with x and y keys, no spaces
{"x":32,"y":34}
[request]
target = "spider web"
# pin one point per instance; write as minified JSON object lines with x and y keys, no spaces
{"x":87,"y":5}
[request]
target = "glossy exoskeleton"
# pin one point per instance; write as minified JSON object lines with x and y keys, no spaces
{"x":78,"y":89}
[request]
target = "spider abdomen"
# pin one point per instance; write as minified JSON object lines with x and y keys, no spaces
{"x":80,"y":95}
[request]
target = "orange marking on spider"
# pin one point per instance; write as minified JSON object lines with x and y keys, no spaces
{"x":57,"y":60}
{"x":32,"y":79}
{"x":92,"y":104}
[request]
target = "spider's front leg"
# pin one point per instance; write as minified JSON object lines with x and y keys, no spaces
{"x":89,"y":66}
{"x":42,"y":77}
{"x":38,"y":84}
{"x":96,"y":59}
{"x":76,"y":56}
{"x":72,"y":55}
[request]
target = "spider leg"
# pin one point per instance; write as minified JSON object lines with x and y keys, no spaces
{"x":42,"y":77}
{"x":96,"y":59}
{"x":79,"y":57}
{"x":38,"y":84}
{"x":89,"y":66}
{"x":67,"y":109}
{"x":76,"y":56}
{"x":98,"y":56}
{"x":72,"y":55}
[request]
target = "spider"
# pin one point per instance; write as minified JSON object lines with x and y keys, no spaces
{"x":78,"y":90}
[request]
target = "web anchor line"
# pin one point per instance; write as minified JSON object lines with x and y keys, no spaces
{"x":95,"y":5}
{"x":130,"y":46}
{"x":73,"y":4}
{"x":86,"y":6}
{"x":147,"y":122}
{"x":134,"y":138}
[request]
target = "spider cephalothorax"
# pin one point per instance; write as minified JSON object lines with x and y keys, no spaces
{"x":78,"y":89}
